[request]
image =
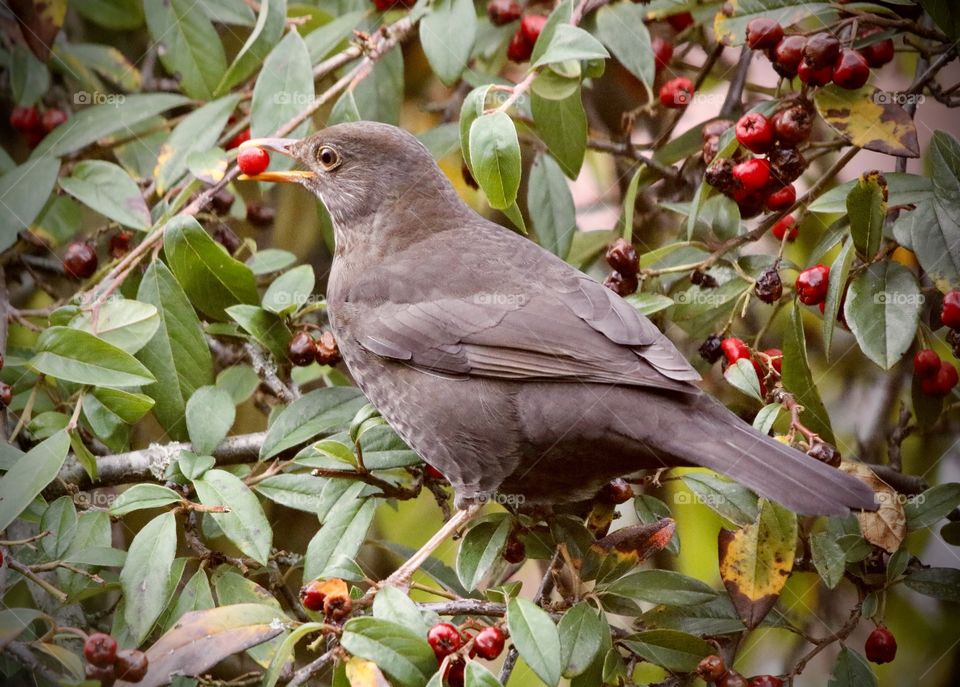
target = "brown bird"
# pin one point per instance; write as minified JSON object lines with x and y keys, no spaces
{"x":505,"y":368}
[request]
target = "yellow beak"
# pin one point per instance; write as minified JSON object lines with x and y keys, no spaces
{"x":278,"y":145}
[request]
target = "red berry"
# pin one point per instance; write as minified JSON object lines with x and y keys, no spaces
{"x":444,"y":639}
{"x":25,"y":119}
{"x":120,"y":243}
{"x":752,"y":174}
{"x":488,"y":643}
{"x":926,"y":363}
{"x":6,"y":395}
{"x":454,"y":675}
{"x":821,"y":50}
{"x":238,"y":139}
{"x":621,"y":284}
{"x":755,"y":132}
{"x":793,"y":125}
{"x":812,"y":284}
{"x":851,"y":70}
{"x":312,"y":596}
{"x":302,"y":349}
{"x":881,"y":646}
{"x":531,"y":26}
{"x":431,"y":472}
{"x":52,"y":118}
{"x":662,"y":52}
{"x":814,"y":76}
{"x":950,"y":312}
{"x":732,"y":679}
{"x":100,"y":649}
{"x":519,"y":49}
{"x":384,"y":5}
{"x":615,"y":492}
{"x":942,"y":382}
{"x":787,"y":55}
{"x":131,"y":665}
{"x":734,"y":349}
{"x":503,"y":12}
{"x":765,"y":681}
{"x":763,"y":32}
{"x":879,"y":53}
{"x":515,"y":551}
{"x":253,"y":161}
{"x":80,"y":260}
{"x":712,"y":668}
{"x":776,"y":358}
{"x":680,"y":21}
{"x":676,"y":93}
{"x":327,"y":351}
{"x":782,"y":199}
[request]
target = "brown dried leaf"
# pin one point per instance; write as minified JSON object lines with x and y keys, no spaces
{"x":637,"y":543}
{"x":201,"y":639}
{"x":887,"y":526}
{"x":40,"y":21}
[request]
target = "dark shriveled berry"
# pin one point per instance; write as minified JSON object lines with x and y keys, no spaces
{"x":763,"y":33}
{"x":769,"y":287}
{"x":225,"y":236}
{"x":821,"y":50}
{"x":732,"y":679}
{"x":260,"y":214}
{"x":720,"y":176}
{"x":953,"y":340}
{"x":337,"y":607}
{"x":712,"y":668}
{"x":515,"y":551}
{"x":131,"y":665}
{"x":716,"y":128}
{"x":222,"y":201}
{"x":119,"y":243}
{"x":621,"y":284}
{"x":622,"y":256}
{"x":302,"y":350}
{"x":825,"y":453}
{"x":710,"y":349}
{"x":710,"y":149}
{"x":327,"y":351}
{"x":793,"y":125}
{"x":703,"y":280}
{"x":786,"y":164}
{"x":615,"y":492}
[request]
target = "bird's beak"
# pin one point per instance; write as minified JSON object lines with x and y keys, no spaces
{"x":277,"y":145}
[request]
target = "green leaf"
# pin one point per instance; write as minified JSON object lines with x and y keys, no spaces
{"x":290,"y":291}
{"x":145,"y":577}
{"x":270,"y":260}
{"x":312,"y":414}
{"x":730,"y":500}
{"x":798,"y":380}
{"x":550,"y":205}
{"x":128,"y":407}
{"x":265,"y":327}
{"x":495,"y":158}
{"x":883,"y":310}
{"x":25,"y":190}
{"x":670,"y":649}
{"x":301,"y":492}
{"x":561,"y":14}
{"x":743,"y":376}
{"x":77,"y":356}
{"x":866,"y":209}
{"x":570,"y":42}
{"x":266,"y":32}
{"x":324,"y":40}
{"x":197,"y":133}
{"x":536,"y":638}
{"x":100,"y":121}
{"x":581,"y":632}
{"x":662,"y":587}
{"x":105,"y":60}
{"x":404,"y":656}
{"x":141,"y":496}
{"x":29,"y":77}
{"x":107,"y":189}
{"x":189,"y":45}
{"x":836,"y":290}
{"x":240,"y":381}
{"x":195,"y":596}
{"x":341,"y":535}
{"x":766,"y":418}
{"x":118,"y":15}
{"x":245,"y":525}
{"x":903,"y":189}
{"x":478,"y":676}
{"x":481,"y":550}
{"x":447,"y":34}
{"x":60,"y":520}
{"x":472,"y":108}
{"x":928,"y":508}
{"x":127,"y":324}
{"x":940,"y":583}
{"x":852,"y":670}
{"x":622,"y":29}
{"x":209,"y":276}
{"x":210,"y":415}
{"x":177,"y":353}
{"x":393,"y":605}
{"x":562,"y":124}
{"x":828,"y":558}
{"x":283,"y":89}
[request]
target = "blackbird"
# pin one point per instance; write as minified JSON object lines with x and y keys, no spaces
{"x":513,"y":373}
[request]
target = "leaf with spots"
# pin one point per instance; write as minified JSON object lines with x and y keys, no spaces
{"x":887,"y":526}
{"x":868,"y":118}
{"x":756,"y":561}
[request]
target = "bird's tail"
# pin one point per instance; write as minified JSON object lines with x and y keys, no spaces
{"x":772,"y":469}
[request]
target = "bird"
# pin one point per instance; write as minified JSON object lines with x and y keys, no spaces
{"x":516,"y":375}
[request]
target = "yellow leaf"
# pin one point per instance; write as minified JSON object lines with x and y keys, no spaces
{"x":756,"y":561}
{"x":869,"y":118}
{"x":363,"y":673}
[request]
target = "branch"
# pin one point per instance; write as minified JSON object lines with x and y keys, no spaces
{"x":301,"y":676}
{"x":149,"y":464}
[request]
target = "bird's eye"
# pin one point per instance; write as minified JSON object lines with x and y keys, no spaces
{"x":328,"y":157}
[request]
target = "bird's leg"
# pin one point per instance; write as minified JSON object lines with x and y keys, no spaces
{"x":402,"y":576}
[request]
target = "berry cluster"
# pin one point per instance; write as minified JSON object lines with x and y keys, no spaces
{"x":303,"y":349}
{"x":713,"y":669}
{"x":937,"y":377}
{"x":881,"y":646}
{"x":521,"y":44}
{"x":445,"y":640}
{"x":732,"y":349}
{"x":32,"y":125}
{"x":812,"y":285}
{"x":950,"y":317}
{"x":623,"y":258}
{"x":329,"y":598}
{"x":106,"y":665}
{"x":821,"y":58}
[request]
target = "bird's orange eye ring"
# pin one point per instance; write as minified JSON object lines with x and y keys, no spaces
{"x":328,"y":157}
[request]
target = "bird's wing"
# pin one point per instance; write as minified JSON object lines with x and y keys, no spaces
{"x":579,"y":331}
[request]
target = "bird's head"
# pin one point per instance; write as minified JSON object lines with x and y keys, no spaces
{"x":358,"y":168}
